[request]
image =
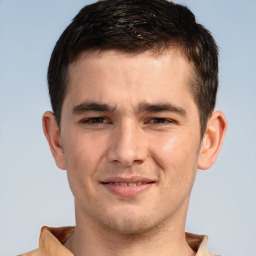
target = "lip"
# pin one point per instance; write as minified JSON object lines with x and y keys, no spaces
{"x":132,"y":179}
{"x":127,"y":191}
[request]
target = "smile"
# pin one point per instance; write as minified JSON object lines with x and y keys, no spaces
{"x":132,"y":184}
{"x":127,"y":188}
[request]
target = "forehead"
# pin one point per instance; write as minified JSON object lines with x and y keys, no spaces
{"x":111,"y":75}
{"x":168,"y":55}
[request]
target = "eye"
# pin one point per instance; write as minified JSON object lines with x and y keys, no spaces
{"x":95,"y":120}
{"x":162,"y":121}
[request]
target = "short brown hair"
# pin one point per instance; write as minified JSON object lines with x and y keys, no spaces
{"x":136,"y":26}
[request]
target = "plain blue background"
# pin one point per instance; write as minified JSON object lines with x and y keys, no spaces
{"x":33,"y":192}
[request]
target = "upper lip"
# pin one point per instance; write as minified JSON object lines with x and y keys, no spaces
{"x":133,"y":179}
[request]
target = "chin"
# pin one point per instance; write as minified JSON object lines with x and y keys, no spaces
{"x":130,"y":225}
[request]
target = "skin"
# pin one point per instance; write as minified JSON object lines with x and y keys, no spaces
{"x":129,"y":117}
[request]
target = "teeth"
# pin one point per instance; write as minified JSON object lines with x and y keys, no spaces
{"x":132,"y":184}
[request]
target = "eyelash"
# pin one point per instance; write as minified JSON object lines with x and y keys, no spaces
{"x":161,"y":121}
{"x":103,"y":120}
{"x":95,"y":120}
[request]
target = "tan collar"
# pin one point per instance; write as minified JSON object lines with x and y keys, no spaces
{"x":52,"y":240}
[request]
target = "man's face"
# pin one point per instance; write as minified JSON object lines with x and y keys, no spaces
{"x":130,"y":134}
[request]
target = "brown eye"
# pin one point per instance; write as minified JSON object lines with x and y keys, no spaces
{"x":160,"y":121}
{"x":95,"y":120}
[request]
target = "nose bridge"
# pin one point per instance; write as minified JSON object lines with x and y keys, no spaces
{"x":127,"y":144}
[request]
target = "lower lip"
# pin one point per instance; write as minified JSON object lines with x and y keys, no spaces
{"x":127,"y":191}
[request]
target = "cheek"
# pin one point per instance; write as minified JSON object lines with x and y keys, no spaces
{"x":172,"y":148}
{"x":176,"y":156}
{"x":81,"y":161}
{"x":82,"y":151}
{"x":177,"y":160}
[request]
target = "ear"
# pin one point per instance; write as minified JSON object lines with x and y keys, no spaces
{"x":53,"y":136}
{"x":212,"y":140}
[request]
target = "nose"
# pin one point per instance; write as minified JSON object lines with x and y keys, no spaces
{"x":127,"y":145}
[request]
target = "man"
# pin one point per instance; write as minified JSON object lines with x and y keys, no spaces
{"x":133,"y":86}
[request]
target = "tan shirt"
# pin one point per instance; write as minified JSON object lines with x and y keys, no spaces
{"x":52,"y":239}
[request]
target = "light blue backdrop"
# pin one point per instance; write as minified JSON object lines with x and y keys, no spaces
{"x":33,"y":192}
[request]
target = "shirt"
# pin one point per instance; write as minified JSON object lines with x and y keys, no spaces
{"x":52,"y":239}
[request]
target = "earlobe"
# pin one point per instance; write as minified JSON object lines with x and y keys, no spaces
{"x":212,"y":140}
{"x":52,"y":134}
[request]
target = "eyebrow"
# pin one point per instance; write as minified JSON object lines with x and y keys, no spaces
{"x":92,"y":106}
{"x":142,"y":107}
{"x":161,"y":107}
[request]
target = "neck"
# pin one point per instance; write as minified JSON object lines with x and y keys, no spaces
{"x":167,"y":239}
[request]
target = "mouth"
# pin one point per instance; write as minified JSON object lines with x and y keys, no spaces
{"x":127,"y":187}
{"x":126,"y":184}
